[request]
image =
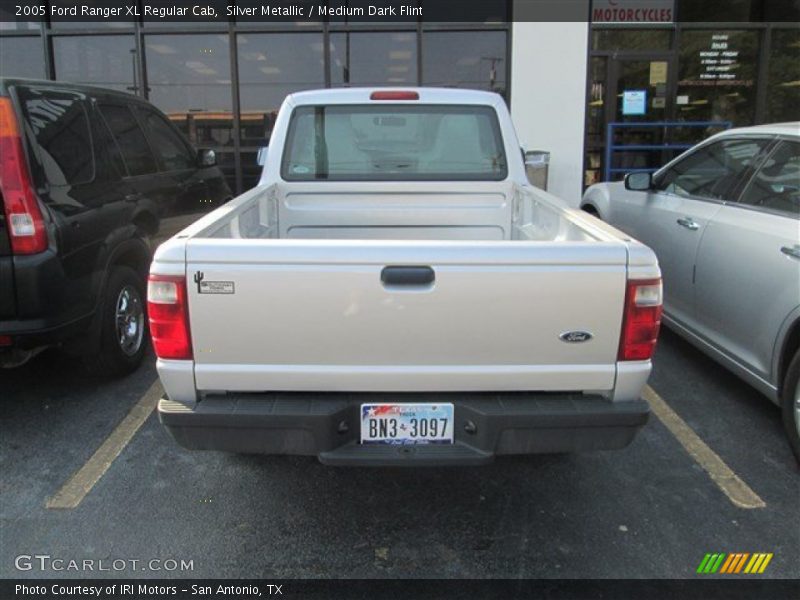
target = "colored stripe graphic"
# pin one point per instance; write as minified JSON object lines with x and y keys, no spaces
{"x":765,"y":563}
{"x":755,"y":562}
{"x":734,"y":563}
{"x":735,"y":558}
{"x":740,"y":564}
{"x":703,"y":563}
{"x":726,"y":567}
{"x":717,"y":563}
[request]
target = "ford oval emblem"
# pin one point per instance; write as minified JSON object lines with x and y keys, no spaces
{"x":574,"y":337}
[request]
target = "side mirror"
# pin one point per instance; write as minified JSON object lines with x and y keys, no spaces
{"x":261,"y":159}
{"x":206,"y":158}
{"x":639,"y":182}
{"x":536,"y":158}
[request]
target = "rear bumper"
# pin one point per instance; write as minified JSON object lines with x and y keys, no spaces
{"x":45,"y":309}
{"x":327,"y":426}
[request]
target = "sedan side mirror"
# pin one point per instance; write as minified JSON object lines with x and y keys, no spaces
{"x":206,"y":158}
{"x":639,"y":182}
{"x":261,"y":159}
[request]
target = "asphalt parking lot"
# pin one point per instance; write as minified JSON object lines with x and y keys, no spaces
{"x":649,"y":511}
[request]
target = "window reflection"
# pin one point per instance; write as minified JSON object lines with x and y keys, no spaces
{"x":465,"y":59}
{"x":271,"y":66}
{"x":386,"y":58}
{"x":106,"y":60}
{"x":718,"y":10}
{"x":189,"y":79}
{"x":22,"y":57}
{"x":783,"y":93}
{"x":631,"y":39}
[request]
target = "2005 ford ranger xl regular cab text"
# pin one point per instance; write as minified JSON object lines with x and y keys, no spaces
{"x":396,"y":293}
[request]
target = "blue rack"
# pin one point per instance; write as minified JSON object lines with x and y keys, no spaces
{"x":611,"y":148}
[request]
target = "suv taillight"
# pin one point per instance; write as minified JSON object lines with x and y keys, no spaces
{"x":642,"y":319}
{"x":168,"y":311}
{"x":23,"y":216}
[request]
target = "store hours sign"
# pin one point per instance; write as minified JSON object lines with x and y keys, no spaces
{"x":720,"y":60}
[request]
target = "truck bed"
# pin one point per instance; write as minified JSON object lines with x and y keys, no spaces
{"x":409,"y":211}
{"x":300,"y":301}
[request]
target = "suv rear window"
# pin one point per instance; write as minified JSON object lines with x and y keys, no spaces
{"x":61,"y":127}
{"x":394,"y":142}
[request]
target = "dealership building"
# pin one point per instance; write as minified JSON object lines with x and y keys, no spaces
{"x":626,"y":87}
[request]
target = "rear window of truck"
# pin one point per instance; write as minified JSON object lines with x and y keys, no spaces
{"x":394,"y":142}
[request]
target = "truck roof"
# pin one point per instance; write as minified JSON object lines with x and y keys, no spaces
{"x":427,"y":95}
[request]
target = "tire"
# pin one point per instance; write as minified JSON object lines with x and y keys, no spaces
{"x":123,"y":325}
{"x":790,"y":405}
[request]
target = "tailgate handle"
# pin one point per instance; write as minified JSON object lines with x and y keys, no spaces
{"x":407,"y":276}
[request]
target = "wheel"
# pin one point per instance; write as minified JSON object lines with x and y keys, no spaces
{"x":790,"y":404}
{"x":123,"y":326}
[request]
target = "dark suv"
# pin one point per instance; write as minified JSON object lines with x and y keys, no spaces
{"x":86,"y":175}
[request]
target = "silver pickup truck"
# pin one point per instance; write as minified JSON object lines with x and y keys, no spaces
{"x":396,"y":293}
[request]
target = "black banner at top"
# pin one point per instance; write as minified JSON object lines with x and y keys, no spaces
{"x":386,"y":11}
{"x":287,"y":11}
{"x":638,"y":12}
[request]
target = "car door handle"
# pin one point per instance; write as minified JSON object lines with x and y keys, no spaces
{"x":688,"y":223}
{"x":133,"y":197}
{"x":407,"y":276}
{"x":793,"y":251}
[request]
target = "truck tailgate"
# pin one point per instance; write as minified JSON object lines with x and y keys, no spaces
{"x":323,"y":315}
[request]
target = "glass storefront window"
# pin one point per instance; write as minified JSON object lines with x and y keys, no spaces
{"x":92,"y":25}
{"x":385,"y":58}
{"x":595,"y":119}
{"x":103,"y":60}
{"x":709,"y":11}
{"x":271,"y":66}
{"x":189,"y":79}
{"x":22,"y":57}
{"x":465,"y":59}
{"x":717,"y":76}
{"x":783,"y":83}
{"x":630,"y":39}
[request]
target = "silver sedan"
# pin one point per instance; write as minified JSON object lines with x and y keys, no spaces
{"x":724,"y":220}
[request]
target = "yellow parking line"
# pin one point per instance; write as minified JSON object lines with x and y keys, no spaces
{"x":82,"y":482}
{"x":731,"y":485}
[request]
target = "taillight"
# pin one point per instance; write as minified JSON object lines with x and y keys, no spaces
{"x":642,"y":319}
{"x":394,"y":95}
{"x":23,"y":216}
{"x":168,"y":311}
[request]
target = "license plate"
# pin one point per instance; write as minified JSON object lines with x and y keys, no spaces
{"x":407,"y":424}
